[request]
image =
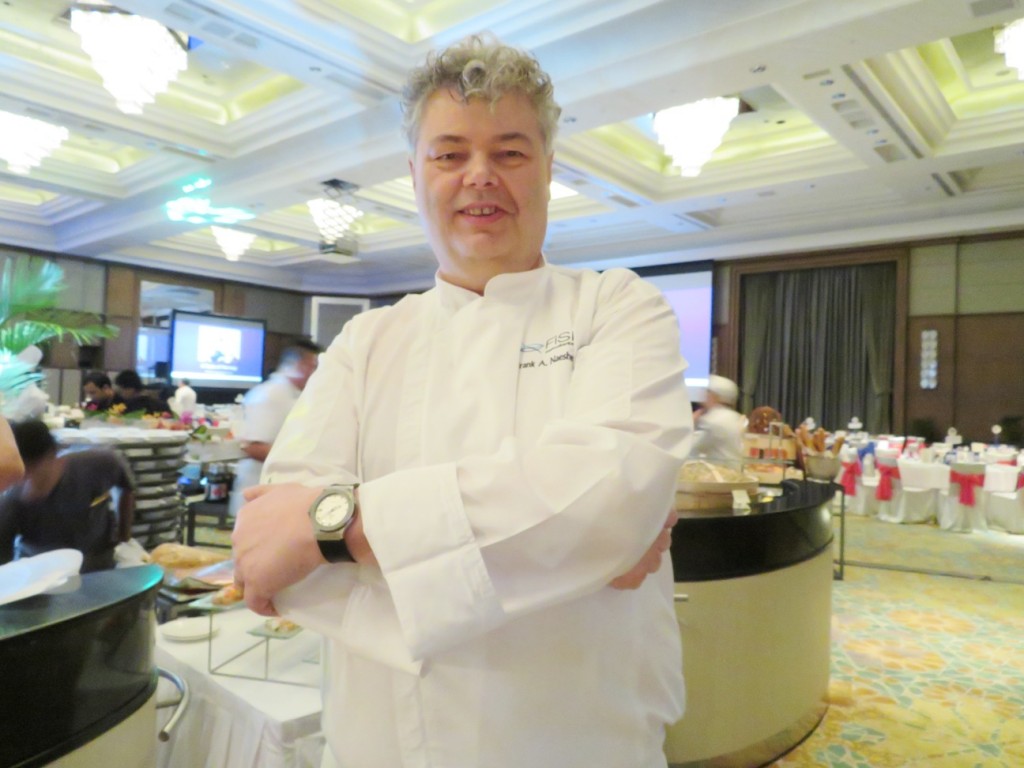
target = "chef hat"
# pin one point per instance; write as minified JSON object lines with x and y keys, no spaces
{"x":724,"y":389}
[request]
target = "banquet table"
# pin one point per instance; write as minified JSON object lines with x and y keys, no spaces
{"x":233,"y":720}
{"x":960,"y":508}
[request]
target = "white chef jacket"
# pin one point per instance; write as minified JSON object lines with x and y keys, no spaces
{"x":185,"y":399}
{"x":517,"y":451}
{"x":720,"y":436}
{"x":264,"y":409}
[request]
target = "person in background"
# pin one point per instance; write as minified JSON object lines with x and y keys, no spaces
{"x":66,"y":501}
{"x":130,"y":388}
{"x":99,"y":392}
{"x":720,"y":427}
{"x":264,"y":409}
{"x":12,"y":468}
{"x":185,"y":398}
{"x":515,"y":434}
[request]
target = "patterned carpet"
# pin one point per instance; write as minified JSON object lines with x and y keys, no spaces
{"x":929,"y":549}
{"x":927,"y":670}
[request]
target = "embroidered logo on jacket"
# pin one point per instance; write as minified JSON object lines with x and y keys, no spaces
{"x":544,"y":353}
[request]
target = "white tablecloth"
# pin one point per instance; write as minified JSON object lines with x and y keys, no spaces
{"x":241,"y":723}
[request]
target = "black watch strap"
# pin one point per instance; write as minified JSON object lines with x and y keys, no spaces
{"x":335,"y":551}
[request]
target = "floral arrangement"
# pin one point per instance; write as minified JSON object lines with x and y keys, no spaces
{"x":198,"y":427}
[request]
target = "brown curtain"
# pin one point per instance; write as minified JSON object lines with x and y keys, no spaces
{"x":819,"y":343}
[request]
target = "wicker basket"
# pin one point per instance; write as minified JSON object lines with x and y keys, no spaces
{"x":710,"y":497}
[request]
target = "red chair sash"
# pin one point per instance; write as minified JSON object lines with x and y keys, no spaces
{"x":886,"y":474}
{"x":851,"y":471}
{"x":967,"y":485}
{"x":1020,"y":481}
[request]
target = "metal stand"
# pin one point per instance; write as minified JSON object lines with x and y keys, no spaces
{"x":839,"y":569}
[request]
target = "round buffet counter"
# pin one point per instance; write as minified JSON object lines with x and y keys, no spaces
{"x":77,"y":672}
{"x":754,"y":604}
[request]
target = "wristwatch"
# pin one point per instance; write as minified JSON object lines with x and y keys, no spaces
{"x":332,"y":513}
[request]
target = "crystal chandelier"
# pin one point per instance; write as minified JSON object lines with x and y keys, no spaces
{"x":233,"y":242}
{"x":692,"y":132}
{"x":334,"y":216}
{"x":1010,"y":43}
{"x":136,"y":57}
{"x":26,"y":141}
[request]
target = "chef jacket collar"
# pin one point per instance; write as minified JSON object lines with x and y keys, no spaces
{"x":510,"y":287}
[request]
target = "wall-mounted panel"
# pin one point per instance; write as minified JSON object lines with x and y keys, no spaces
{"x":933,"y":280}
{"x":992,"y":277}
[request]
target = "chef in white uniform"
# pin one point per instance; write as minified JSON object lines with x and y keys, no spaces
{"x":720,"y":428}
{"x":264,"y":409}
{"x":516,"y":433}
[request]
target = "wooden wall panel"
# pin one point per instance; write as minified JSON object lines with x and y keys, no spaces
{"x":989,"y":372}
{"x":233,"y":301}
{"x":122,"y":292}
{"x":119,"y":352}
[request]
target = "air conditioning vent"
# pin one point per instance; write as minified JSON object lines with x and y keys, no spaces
{"x":981,"y":8}
{"x":623,"y":201}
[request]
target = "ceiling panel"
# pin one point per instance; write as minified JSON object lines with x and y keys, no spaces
{"x":862,"y":122}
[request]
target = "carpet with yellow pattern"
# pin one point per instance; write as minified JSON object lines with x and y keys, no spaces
{"x":927,"y":670}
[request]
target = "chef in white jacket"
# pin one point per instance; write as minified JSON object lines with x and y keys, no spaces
{"x":720,"y":428}
{"x":497,"y":594}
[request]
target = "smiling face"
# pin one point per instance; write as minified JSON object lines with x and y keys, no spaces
{"x":482,"y":183}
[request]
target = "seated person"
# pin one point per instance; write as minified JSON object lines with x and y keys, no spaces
{"x":64,"y":502}
{"x":12,"y":469}
{"x":99,"y":392}
{"x":129,"y":387}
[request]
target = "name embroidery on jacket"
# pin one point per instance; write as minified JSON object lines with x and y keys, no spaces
{"x":544,"y":353}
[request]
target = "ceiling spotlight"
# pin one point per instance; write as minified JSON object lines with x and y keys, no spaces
{"x":1010,"y":43}
{"x":26,"y":141}
{"x":691,"y":133}
{"x":136,"y":57}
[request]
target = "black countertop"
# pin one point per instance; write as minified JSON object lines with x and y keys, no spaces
{"x":790,"y":529}
{"x":75,"y":663}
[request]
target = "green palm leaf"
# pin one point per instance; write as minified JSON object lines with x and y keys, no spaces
{"x":29,"y":290}
{"x":15,"y":376}
{"x":28,"y":284}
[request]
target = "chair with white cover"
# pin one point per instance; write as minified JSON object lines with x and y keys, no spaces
{"x":920,"y":483}
{"x":1004,"y":498}
{"x":866,"y":484}
{"x":887,"y":485}
{"x":849,"y":478}
{"x":962,"y":508}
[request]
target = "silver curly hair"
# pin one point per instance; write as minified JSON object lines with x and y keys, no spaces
{"x":480,"y":67}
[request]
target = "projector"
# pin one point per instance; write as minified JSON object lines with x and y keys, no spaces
{"x":343,"y":246}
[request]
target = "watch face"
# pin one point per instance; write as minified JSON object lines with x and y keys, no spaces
{"x":333,"y":511}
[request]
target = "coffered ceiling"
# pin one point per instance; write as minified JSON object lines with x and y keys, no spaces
{"x":869,"y":121}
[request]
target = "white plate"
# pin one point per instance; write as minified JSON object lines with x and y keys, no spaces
{"x":188,"y":630}
{"x":33,"y":575}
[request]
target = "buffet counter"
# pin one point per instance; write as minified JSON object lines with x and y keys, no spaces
{"x":77,"y":672}
{"x":754,"y":603}
{"x":235,"y":717}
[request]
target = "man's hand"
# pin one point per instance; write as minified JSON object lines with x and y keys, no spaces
{"x":651,"y":560}
{"x":273,"y":542}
